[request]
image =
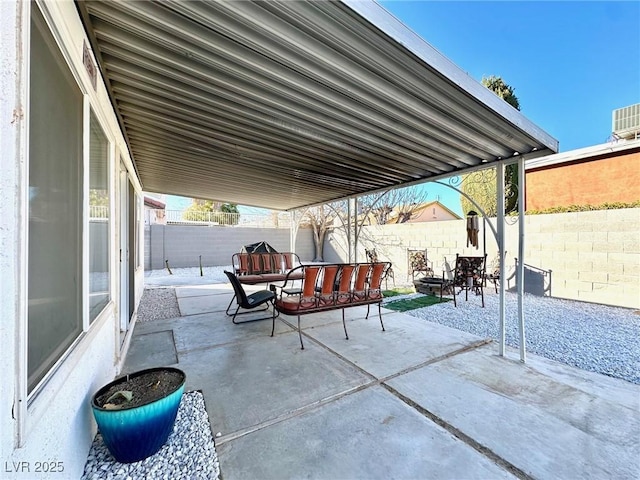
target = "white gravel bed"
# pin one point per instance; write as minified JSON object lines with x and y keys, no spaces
{"x":158,"y":304}
{"x":189,"y":453}
{"x":593,"y":337}
{"x":159,"y":299}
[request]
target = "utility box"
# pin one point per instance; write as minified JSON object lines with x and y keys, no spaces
{"x":626,"y":122}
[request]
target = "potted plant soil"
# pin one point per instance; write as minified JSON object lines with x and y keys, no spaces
{"x":136,"y":413}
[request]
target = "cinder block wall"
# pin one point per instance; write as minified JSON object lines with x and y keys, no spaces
{"x":182,"y":245}
{"x":594,"y":256}
{"x":590,"y":256}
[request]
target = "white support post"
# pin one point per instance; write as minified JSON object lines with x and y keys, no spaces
{"x":501,"y":255}
{"x":353,"y":227}
{"x":293,"y":227}
{"x":520,"y":272}
{"x":349,"y":242}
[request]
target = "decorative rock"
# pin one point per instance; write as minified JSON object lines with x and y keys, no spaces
{"x":191,"y":436}
{"x":593,"y":337}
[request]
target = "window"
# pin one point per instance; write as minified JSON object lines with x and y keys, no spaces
{"x":99,"y":294}
{"x":55,"y":205}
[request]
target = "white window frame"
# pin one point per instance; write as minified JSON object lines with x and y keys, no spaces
{"x":88,"y":110}
{"x":29,"y":407}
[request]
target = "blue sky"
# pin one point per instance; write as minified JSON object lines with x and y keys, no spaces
{"x":571,"y":63}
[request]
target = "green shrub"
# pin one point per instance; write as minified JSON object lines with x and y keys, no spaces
{"x":584,"y":208}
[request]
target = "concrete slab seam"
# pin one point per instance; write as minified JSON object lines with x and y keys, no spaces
{"x":294,"y":413}
{"x":465,"y":349}
{"x":218,"y":293}
{"x":224,"y":344}
{"x":199,"y":313}
{"x":460,"y":435}
{"x":375,"y":382}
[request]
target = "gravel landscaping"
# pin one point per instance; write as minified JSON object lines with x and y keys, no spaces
{"x":593,"y":337}
{"x":157,"y":304}
{"x":189,"y":453}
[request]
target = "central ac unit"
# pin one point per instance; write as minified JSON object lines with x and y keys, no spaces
{"x":626,"y":122}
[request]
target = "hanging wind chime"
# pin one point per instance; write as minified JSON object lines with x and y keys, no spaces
{"x":473,"y":227}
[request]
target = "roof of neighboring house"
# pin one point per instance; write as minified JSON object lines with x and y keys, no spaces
{"x":152,"y":202}
{"x":420,"y":208}
{"x":581,"y":154}
{"x":439,"y":204}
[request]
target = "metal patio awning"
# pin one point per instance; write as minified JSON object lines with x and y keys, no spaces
{"x":288,"y":104}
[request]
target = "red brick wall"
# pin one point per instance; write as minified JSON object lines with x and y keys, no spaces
{"x":591,"y":182}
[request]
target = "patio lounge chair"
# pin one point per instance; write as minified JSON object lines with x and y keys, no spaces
{"x":250,"y":302}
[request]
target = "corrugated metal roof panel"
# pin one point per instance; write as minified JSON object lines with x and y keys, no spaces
{"x":286,"y":104}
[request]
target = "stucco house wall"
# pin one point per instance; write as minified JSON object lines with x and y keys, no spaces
{"x":53,"y":422}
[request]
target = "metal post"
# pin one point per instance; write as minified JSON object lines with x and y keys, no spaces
{"x":354,"y":228}
{"x":292,"y":236}
{"x":500,"y":241}
{"x":520,"y":273}
{"x":349,"y":243}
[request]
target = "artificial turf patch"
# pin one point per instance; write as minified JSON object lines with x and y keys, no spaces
{"x":413,"y":303}
{"x":397,"y":291}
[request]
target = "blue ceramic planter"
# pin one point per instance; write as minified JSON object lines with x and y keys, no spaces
{"x":133,"y":434}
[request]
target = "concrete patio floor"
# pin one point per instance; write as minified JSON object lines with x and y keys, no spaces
{"x":420,"y":400}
